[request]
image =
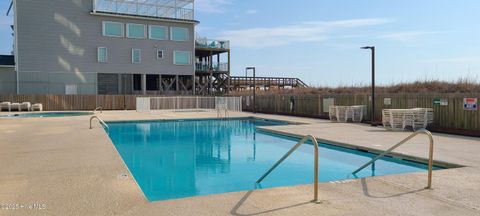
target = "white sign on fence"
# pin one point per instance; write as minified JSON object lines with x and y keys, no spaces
{"x":327,"y":102}
{"x":470,"y":104}
{"x":387,"y":101}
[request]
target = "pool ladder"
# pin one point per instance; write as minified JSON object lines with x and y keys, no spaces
{"x":100,"y":121}
{"x":414,"y":134}
{"x":315,"y":164}
{"x":315,"y":171}
{"x":98,"y":108}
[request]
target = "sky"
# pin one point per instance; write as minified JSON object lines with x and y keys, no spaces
{"x":319,"y":41}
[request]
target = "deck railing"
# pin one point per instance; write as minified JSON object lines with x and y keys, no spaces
{"x":238,"y":81}
{"x":216,"y":67}
{"x":212,"y":44}
{"x":175,"y":9}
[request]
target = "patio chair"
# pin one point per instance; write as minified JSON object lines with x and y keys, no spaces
{"x":15,"y":107}
{"x":356,"y":113}
{"x":429,"y":115}
{"x":37,"y":107}
{"x":397,"y":119}
{"x":421,"y":118}
{"x":409,"y":118}
{"x":386,"y":119}
{"x":25,"y":106}
{"x":5,"y":106}
{"x":332,"y":113}
{"x":349,"y":113}
{"x":341,"y":112}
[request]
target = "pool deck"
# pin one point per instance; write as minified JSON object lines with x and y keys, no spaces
{"x":72,"y":170}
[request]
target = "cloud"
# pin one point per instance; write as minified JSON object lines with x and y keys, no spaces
{"x":251,"y":11}
{"x":406,"y":36}
{"x":295,"y":33}
{"x":211,"y":6}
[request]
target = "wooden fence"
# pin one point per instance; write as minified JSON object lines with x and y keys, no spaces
{"x":449,"y":117}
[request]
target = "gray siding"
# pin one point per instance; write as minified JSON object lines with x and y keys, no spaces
{"x":62,"y":36}
{"x":8,"y":81}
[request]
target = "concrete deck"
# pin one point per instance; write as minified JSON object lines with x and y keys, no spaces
{"x":72,"y":170}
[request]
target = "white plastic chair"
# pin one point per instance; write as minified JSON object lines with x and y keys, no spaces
{"x":37,"y":107}
{"x":5,"y":106}
{"x":386,"y":119}
{"x":332,"y":113}
{"x":25,"y":106}
{"x":341,"y":112}
{"x":397,"y":119}
{"x":15,"y":107}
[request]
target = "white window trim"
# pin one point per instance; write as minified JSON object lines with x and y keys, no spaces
{"x":150,"y":32}
{"x":139,"y":56}
{"x":98,"y":54}
{"x":144,"y":31}
{"x":163,"y":54}
{"x":175,"y":60}
{"x":104,"y":33}
{"x":171,"y":34}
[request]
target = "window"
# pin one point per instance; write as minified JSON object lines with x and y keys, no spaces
{"x":179,"y":34}
{"x":112,"y":29}
{"x":136,"y":56}
{"x":181,"y":58}
{"x":152,"y":82}
{"x":157,"y":32}
{"x":135,"y":31}
{"x":159,"y":54}
{"x":102,"y":54}
{"x":137,"y":82}
{"x":107,"y":84}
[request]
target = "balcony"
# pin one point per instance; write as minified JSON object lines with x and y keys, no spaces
{"x":172,"y":9}
{"x":205,"y":43}
{"x":216,"y":67}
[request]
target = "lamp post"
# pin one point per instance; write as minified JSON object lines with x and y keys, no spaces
{"x":373,"y":82}
{"x":254,"y":84}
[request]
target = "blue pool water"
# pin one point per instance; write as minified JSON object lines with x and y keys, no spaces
{"x":175,"y":159}
{"x":46,"y":114}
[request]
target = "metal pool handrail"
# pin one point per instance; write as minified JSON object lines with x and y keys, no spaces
{"x":100,"y":121}
{"x":98,"y":108}
{"x":430,"y":154}
{"x":315,"y":175}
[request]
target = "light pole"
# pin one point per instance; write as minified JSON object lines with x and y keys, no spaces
{"x":254,"y":84}
{"x":373,"y":82}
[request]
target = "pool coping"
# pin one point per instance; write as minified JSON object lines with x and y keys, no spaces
{"x":423,"y":160}
{"x":204,"y":119}
{"x":19,"y":114}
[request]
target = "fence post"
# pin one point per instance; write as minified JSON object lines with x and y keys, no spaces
{"x":177,"y":103}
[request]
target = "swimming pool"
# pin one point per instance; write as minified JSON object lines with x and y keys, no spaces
{"x":46,"y":114}
{"x":183,"y":158}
